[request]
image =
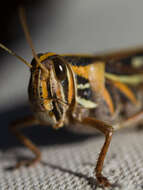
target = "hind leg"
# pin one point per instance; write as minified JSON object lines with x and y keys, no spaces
{"x":135,"y":120}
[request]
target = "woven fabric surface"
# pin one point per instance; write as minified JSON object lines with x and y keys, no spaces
{"x":71,"y":166}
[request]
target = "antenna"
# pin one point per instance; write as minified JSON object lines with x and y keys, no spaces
{"x":14,"y":54}
{"x":26,"y":31}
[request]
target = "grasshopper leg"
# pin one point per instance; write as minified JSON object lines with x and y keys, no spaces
{"x":14,"y":128}
{"x":131,"y":121}
{"x":107,"y":131}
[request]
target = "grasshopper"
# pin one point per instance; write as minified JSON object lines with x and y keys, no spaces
{"x":103,"y":91}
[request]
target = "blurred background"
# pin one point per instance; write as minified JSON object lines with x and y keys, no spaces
{"x":59,"y":26}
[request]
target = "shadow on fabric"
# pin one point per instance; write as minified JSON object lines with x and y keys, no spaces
{"x":41,"y":135}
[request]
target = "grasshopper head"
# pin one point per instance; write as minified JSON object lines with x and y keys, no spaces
{"x":52,"y":91}
{"x":52,"y":87}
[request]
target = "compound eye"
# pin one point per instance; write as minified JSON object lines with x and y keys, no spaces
{"x":60,"y":69}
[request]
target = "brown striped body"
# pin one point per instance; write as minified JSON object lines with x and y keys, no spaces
{"x":84,"y":89}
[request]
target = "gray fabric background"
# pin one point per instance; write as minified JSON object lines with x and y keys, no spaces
{"x":68,"y":159}
{"x":71,"y":166}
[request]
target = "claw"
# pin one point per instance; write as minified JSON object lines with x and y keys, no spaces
{"x":103,"y":181}
{"x":27,"y":163}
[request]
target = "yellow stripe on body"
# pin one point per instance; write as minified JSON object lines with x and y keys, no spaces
{"x":121,"y":81}
{"x":46,"y":55}
{"x":131,"y":79}
{"x":86,"y":103}
{"x":125,"y":90}
{"x":82,"y":71}
{"x":137,"y":61}
{"x":70,"y":87}
{"x":108,"y":99}
{"x":83,"y":86}
{"x":44,"y":89}
{"x":95,"y":74}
